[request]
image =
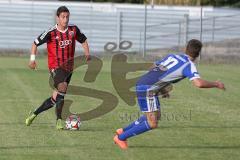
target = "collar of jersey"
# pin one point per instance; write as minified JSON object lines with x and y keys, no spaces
{"x":60,"y":30}
{"x":187,"y":56}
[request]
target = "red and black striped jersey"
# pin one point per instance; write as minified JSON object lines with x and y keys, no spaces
{"x":61,"y":45}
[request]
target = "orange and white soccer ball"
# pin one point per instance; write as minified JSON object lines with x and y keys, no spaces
{"x":73,"y":122}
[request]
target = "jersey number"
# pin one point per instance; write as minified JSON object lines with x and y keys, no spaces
{"x":170,"y":62}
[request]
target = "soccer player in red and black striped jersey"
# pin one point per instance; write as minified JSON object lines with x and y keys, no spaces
{"x":61,"y":40}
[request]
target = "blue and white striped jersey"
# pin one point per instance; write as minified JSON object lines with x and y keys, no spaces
{"x":172,"y":69}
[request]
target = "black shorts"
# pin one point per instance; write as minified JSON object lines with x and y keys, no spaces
{"x":60,"y":75}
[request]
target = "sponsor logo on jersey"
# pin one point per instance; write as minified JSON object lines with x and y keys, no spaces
{"x":136,"y":123}
{"x":71,"y":33}
{"x":64,"y":43}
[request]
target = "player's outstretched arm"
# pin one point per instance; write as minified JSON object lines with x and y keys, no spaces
{"x":200,"y":83}
{"x":86,"y":50}
{"x":32,"y":62}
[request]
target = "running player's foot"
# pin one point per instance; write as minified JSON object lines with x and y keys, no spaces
{"x":30,"y":118}
{"x":121,"y":144}
{"x":59,"y":124}
{"x":119,"y":131}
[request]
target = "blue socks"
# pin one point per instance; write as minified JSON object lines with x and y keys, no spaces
{"x":140,"y":120}
{"x":135,"y":128}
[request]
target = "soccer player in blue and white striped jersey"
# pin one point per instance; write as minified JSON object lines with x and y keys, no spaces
{"x":171,"y":69}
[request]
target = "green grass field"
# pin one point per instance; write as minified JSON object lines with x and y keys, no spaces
{"x":196,"y":123}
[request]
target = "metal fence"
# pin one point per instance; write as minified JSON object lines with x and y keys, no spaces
{"x":210,"y":29}
{"x":146,"y":27}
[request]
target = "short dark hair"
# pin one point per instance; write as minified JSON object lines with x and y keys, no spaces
{"x":193,"y":48}
{"x":62,"y":9}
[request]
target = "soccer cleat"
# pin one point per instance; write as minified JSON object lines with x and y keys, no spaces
{"x":121,"y":144}
{"x":119,"y":131}
{"x":59,"y":124}
{"x":30,"y":118}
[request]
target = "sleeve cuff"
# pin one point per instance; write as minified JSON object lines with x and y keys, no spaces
{"x":36,"y":42}
{"x":190,"y":79}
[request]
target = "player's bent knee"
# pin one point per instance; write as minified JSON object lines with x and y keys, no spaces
{"x":152,"y":118}
{"x":153,"y":125}
{"x":62,"y":87}
{"x":60,"y":97}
